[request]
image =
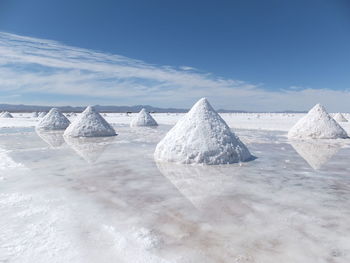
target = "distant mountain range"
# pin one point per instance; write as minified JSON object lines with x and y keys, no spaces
{"x":136,"y":108}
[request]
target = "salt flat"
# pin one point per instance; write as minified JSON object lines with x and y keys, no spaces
{"x":106,"y":200}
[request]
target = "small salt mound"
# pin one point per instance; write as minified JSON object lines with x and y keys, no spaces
{"x":6,"y":114}
{"x":201,"y":136}
{"x":340,"y":118}
{"x":35,"y":115}
{"x":143,"y":119}
{"x":89,"y":124}
{"x":54,"y":120}
{"x":317,"y":124}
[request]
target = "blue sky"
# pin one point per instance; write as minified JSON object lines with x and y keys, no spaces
{"x":248,"y":54}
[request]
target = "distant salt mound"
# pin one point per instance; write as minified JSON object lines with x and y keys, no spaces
{"x":340,"y":118}
{"x":201,"y":137}
{"x":6,"y":114}
{"x":54,"y":120}
{"x":143,"y":119}
{"x":35,"y":115}
{"x":89,"y":124}
{"x":317,"y":124}
{"x":41,"y":114}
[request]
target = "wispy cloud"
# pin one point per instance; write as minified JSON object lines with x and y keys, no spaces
{"x":30,"y":66}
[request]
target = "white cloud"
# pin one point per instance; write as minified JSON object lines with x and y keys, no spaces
{"x":38,"y":66}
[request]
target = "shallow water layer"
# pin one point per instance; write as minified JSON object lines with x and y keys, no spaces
{"x":106,"y":200}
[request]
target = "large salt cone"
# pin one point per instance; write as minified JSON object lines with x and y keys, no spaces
{"x":315,"y":152}
{"x":201,"y":137}
{"x":143,"y":118}
{"x":317,"y":124}
{"x":89,"y":124}
{"x":54,"y":120}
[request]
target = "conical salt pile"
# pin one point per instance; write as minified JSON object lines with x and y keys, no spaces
{"x":317,"y":124}
{"x":89,"y":124}
{"x":143,"y":119}
{"x":35,"y":115}
{"x":6,"y":114}
{"x":54,"y":120}
{"x":201,"y":136}
{"x":340,"y":118}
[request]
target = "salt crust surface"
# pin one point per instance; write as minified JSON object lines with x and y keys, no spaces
{"x":317,"y":124}
{"x":201,"y":137}
{"x":143,"y":119}
{"x":67,"y":211}
{"x":54,"y":120}
{"x":89,"y":124}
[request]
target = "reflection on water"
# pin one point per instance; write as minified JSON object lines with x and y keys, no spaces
{"x":126,"y":208}
{"x":90,"y":148}
{"x":208,"y":188}
{"x":52,"y":138}
{"x":316,"y":152}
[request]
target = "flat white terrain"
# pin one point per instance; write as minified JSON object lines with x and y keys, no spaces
{"x":106,"y":200}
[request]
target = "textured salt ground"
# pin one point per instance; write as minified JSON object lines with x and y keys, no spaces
{"x":126,"y":208}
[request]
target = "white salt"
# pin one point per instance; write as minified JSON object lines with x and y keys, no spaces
{"x":89,"y":124}
{"x":54,"y":120}
{"x":317,"y":124}
{"x":201,"y":136}
{"x":143,"y":118}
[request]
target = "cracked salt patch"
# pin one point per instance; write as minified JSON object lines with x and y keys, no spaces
{"x":122,"y":207}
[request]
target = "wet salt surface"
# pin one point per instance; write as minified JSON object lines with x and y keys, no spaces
{"x":106,"y":200}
